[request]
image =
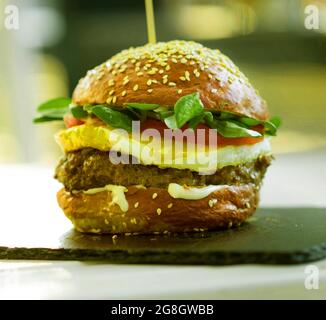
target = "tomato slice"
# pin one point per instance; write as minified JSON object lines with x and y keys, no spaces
{"x":160,"y":126}
{"x":71,"y":121}
{"x":221,"y":141}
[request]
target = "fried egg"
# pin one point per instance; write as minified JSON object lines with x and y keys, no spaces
{"x":155,"y":152}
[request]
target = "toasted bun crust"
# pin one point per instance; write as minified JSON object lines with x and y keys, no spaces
{"x":162,"y":73}
{"x":161,"y":214}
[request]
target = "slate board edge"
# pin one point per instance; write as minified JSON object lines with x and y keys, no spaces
{"x":311,"y":254}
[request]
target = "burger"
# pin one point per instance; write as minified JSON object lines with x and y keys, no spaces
{"x":115,"y":182}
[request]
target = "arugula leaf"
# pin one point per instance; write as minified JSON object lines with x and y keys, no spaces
{"x":162,"y":112}
{"x":188,"y":107}
{"x":230,"y":129}
{"x":46,"y":119}
{"x":171,"y":122}
{"x":139,"y":114}
{"x":54,"y":104}
{"x":276,"y":121}
{"x":269,"y":126}
{"x":208,"y":116}
{"x":165,"y":114}
{"x":50,"y":116}
{"x":142,"y":106}
{"x":78,"y":112}
{"x":114,"y":118}
{"x":227,"y":115}
{"x":194,"y":122}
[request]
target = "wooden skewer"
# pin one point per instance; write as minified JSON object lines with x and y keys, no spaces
{"x":150,"y":21}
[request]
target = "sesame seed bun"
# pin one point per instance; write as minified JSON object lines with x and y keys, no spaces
{"x":161,"y":73}
{"x":153,"y":210}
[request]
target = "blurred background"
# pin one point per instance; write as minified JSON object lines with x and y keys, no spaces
{"x":57,"y":41}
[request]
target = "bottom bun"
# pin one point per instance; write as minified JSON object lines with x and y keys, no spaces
{"x":153,"y":210}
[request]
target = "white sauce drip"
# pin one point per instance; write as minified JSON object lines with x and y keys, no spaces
{"x":118,"y":195}
{"x":192,"y":193}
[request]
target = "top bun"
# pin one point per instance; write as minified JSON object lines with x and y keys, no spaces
{"x":161,"y":73}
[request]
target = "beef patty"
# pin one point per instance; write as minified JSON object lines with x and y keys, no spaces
{"x":90,"y":168}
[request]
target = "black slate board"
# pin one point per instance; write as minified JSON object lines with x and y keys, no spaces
{"x":272,"y":236}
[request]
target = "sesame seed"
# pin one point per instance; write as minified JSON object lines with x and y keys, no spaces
{"x":150,"y":90}
{"x":111,"y":92}
{"x":111,"y":82}
{"x":214,"y":90}
{"x":161,"y":71}
{"x":210,"y":76}
{"x":174,"y":60}
{"x":123,"y":93}
{"x":165,"y":80}
{"x":179,"y":91}
{"x":182,"y":78}
{"x":152,"y":71}
{"x":172,"y":84}
{"x":125,"y":82}
{"x":167,"y":68}
{"x":248,"y":205}
{"x":137,"y":69}
{"x":212,"y":202}
{"x":140,"y":73}
{"x":136,"y":204}
{"x":149,"y":82}
{"x":109,"y":100}
{"x":136,"y":86}
{"x":106,"y":221}
{"x":128,"y":234}
{"x":159,"y":211}
{"x":114,"y":236}
{"x":183,"y":60}
{"x":114,"y":99}
{"x":170,"y":205}
{"x":154,"y":196}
